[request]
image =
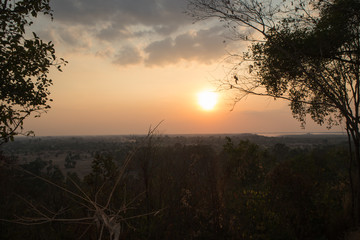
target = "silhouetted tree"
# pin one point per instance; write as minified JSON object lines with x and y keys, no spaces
{"x":24,"y":65}
{"x":100,"y":202}
{"x":70,"y":161}
{"x":307,"y":52}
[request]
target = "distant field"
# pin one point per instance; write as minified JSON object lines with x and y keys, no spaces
{"x":56,"y":149}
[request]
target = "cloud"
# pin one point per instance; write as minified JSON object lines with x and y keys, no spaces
{"x":159,"y":26}
{"x":204,"y":46}
{"x":112,"y":32}
{"x":166,"y":14}
{"x":73,"y":38}
{"x":127,"y":56}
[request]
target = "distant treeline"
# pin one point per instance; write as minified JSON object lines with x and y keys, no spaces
{"x":241,"y":190}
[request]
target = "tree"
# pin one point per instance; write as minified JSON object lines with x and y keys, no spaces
{"x":24,"y":65}
{"x":100,"y":201}
{"x":70,"y":161}
{"x":304,"y":51}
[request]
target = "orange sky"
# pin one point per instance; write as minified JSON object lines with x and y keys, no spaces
{"x":132,"y":65}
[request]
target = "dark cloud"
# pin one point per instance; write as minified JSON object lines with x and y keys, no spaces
{"x":203,"y":46}
{"x":112,"y":32}
{"x":161,"y":25}
{"x":165,"y":14}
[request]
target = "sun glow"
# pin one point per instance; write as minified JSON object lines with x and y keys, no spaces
{"x":207,"y":100}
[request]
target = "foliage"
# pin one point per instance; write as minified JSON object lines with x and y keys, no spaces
{"x":24,"y":65}
{"x":70,"y":160}
{"x":313,"y":61}
{"x":307,"y":52}
{"x":242,"y":191}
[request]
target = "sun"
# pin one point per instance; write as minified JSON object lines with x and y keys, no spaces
{"x":207,"y":100}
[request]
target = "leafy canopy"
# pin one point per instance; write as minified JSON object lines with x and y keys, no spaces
{"x":304,"y":51}
{"x":24,"y":65}
{"x":314,"y":62}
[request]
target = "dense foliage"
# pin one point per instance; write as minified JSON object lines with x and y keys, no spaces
{"x":241,"y":191}
{"x":24,"y":65}
{"x":314,"y":61}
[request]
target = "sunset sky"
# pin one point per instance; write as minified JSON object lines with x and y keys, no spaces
{"x":134,"y":63}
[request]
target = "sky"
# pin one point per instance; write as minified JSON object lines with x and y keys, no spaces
{"x":134,"y":63}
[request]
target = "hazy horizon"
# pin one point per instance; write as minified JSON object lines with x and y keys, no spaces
{"x":128,"y":70}
{"x":266,"y":134}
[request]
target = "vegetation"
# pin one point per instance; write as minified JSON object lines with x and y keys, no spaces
{"x":307,"y":52}
{"x":24,"y":66}
{"x":241,"y":190}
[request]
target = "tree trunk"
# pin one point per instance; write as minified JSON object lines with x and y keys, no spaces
{"x":354,"y":148}
{"x":357,"y":185}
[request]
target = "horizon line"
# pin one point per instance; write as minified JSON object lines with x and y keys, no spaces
{"x":196,"y":134}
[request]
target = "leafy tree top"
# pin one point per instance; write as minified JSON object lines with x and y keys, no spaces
{"x":24,"y":65}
